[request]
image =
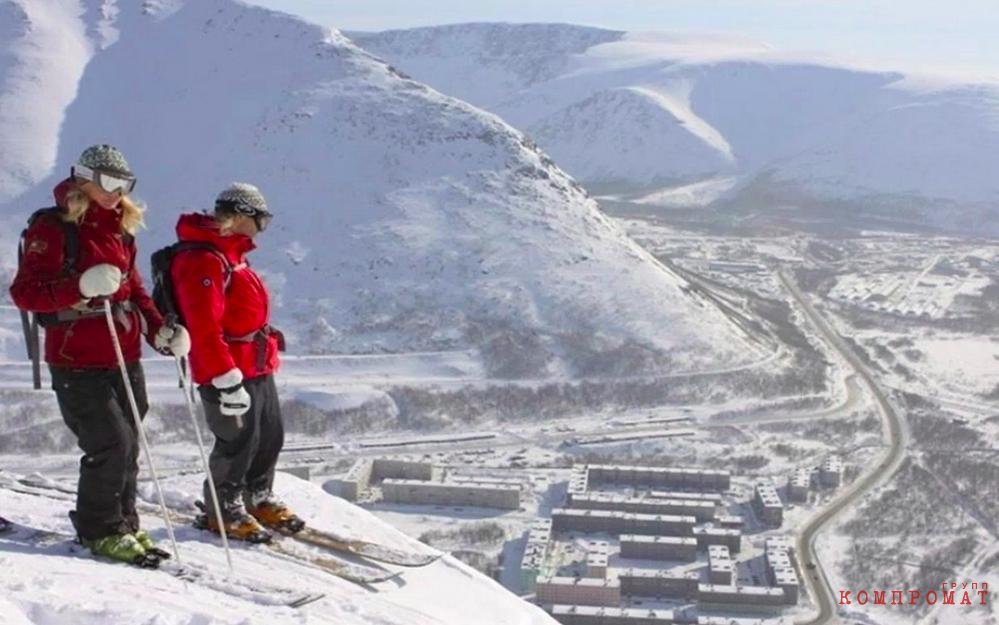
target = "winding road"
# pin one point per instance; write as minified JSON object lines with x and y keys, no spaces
{"x":897,"y":438}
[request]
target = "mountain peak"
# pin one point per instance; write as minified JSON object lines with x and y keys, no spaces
{"x":404,"y":219}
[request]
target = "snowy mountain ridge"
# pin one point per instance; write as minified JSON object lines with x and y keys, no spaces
{"x":799,"y":125}
{"x":406,"y":219}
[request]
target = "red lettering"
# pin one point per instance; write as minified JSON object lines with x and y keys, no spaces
{"x":983,"y":594}
{"x":965,"y":600}
{"x":914,"y":596}
{"x":896,"y":597}
{"x":865,"y":595}
{"x":948,"y":598}
{"x":879,"y":597}
{"x":844,"y":597}
{"x":931,"y":592}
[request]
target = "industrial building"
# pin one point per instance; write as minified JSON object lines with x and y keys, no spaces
{"x":448,"y":494}
{"x":714,"y":498}
{"x":597,"y":557}
{"x":392,"y":468}
{"x":798,"y":485}
{"x":831,"y":472}
{"x":720,"y":565}
{"x":658,"y":547}
{"x":477,"y":480}
{"x":366,"y":472}
{"x":729,"y":521}
{"x":707,"y":536}
{"x":658,"y":583}
{"x":768,"y":505}
{"x":573,"y":520}
{"x":578,"y":591}
{"x":744,"y":596}
{"x":659,"y":477}
{"x":780,"y":569}
{"x":357,"y":480}
{"x":535,"y":553}
{"x":578,"y":482}
{"x":590,"y":615}
{"x":700,"y":510}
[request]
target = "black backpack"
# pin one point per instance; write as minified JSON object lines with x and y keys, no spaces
{"x":70,"y":248}
{"x":71,"y":251}
{"x":163,"y":293}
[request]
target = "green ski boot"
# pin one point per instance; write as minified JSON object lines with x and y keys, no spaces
{"x":151,"y":548}
{"x":123,"y":548}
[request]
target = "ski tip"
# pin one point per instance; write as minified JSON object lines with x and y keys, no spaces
{"x":305,"y":600}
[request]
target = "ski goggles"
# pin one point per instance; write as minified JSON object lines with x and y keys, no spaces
{"x":260,"y":217}
{"x":107,"y":181}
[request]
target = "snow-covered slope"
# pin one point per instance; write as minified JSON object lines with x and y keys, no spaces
{"x":725,"y":105}
{"x":405,"y":219}
{"x":52,"y":584}
{"x":630,"y":124}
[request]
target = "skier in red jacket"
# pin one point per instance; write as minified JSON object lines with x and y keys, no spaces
{"x":74,"y":256}
{"x":234,"y":355}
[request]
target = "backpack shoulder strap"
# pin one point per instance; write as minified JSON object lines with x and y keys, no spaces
{"x":227,"y":266}
{"x":70,"y":234}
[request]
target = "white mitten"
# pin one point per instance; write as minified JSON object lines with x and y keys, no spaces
{"x":100,"y":281}
{"x":233,"y":399}
{"x":173,"y":341}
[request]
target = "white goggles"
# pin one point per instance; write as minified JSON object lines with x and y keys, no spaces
{"x":109,"y":182}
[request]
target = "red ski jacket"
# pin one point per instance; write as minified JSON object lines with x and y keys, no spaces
{"x":42,"y":286}
{"x":227,"y":323}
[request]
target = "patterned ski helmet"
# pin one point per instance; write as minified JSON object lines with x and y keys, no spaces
{"x":243,"y":198}
{"x":106,"y":158}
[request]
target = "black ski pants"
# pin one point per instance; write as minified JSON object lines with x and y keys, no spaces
{"x":95,"y":406}
{"x":243,"y":459}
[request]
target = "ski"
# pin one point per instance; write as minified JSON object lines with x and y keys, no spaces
{"x":350,"y":571}
{"x":327,"y":540}
{"x":353,"y":572}
{"x":250,"y":590}
{"x":358,"y":573}
{"x":354,"y":547}
{"x":363,"y":548}
{"x":37,"y":480}
{"x":255,"y":592}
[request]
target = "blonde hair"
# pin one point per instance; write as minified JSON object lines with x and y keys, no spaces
{"x":77,"y":203}
{"x":225,"y":219}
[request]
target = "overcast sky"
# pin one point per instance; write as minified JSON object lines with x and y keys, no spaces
{"x":936,"y":35}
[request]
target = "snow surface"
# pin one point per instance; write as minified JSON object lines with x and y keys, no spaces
{"x":51,"y":585}
{"x":406,"y":220}
{"x":728,"y":106}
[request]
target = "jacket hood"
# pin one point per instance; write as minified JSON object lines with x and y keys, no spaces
{"x":61,"y":190}
{"x":203,"y":227}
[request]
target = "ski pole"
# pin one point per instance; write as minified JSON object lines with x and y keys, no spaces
{"x":109,"y":317}
{"x":189,"y":399}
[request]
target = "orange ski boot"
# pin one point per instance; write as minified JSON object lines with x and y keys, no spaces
{"x":238,"y":524}
{"x":274,"y":513}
